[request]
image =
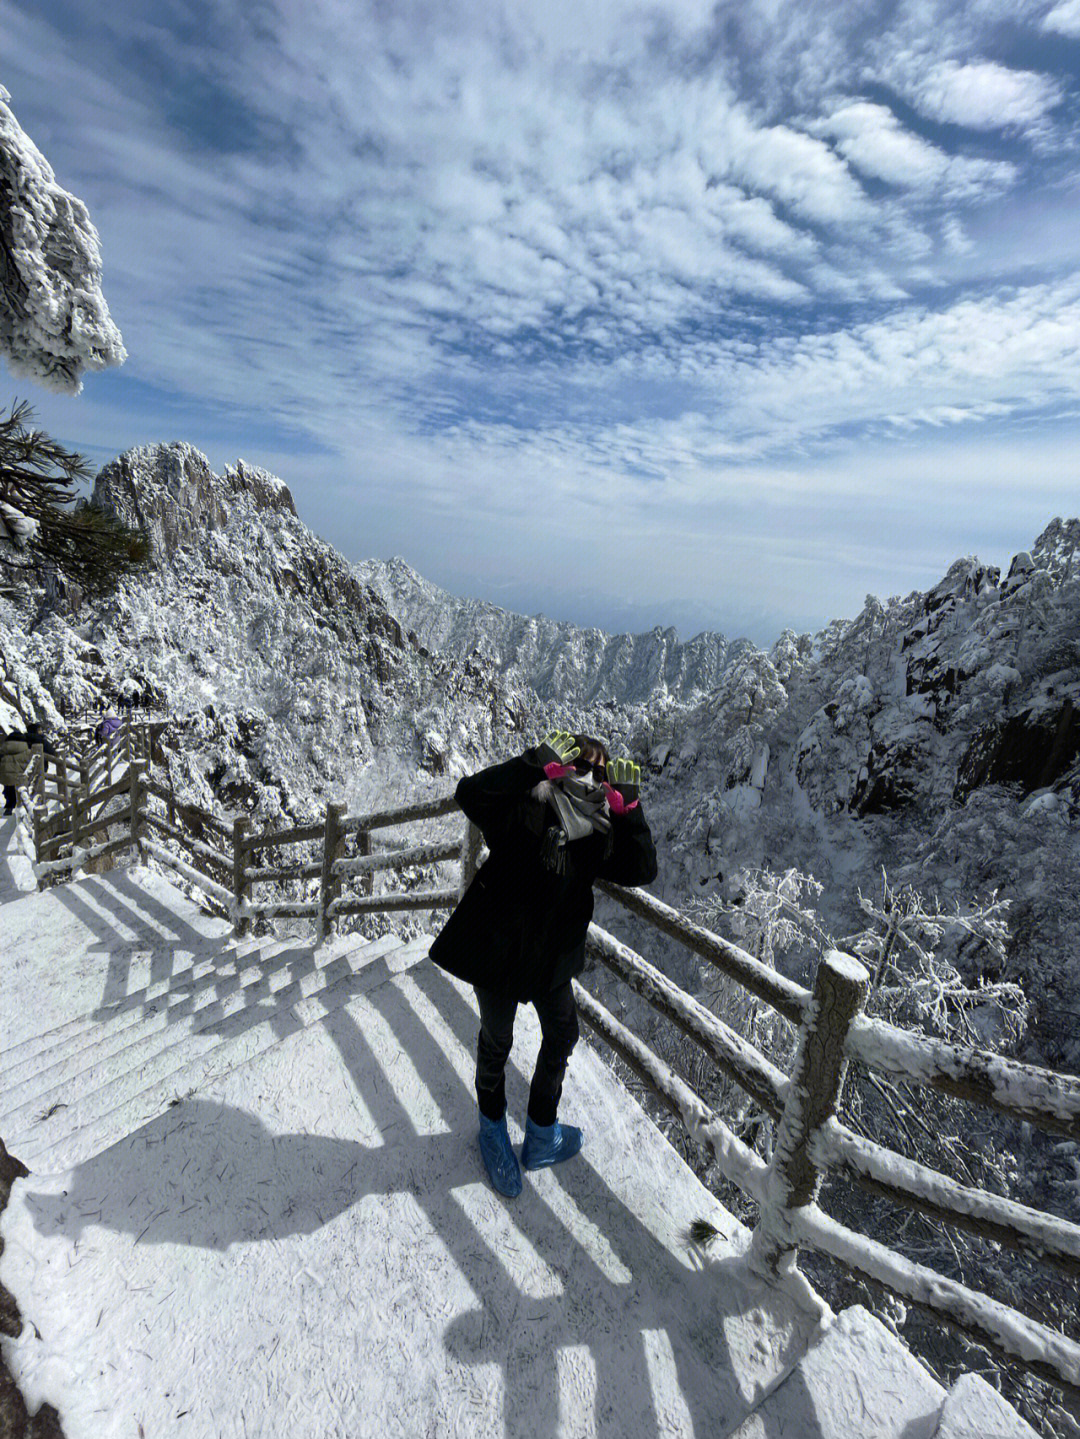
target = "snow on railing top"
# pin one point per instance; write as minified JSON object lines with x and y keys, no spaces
{"x":1036,"y":1096}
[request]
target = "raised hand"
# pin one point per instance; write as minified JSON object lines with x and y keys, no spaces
{"x":623,"y":785}
{"x":557,"y":752}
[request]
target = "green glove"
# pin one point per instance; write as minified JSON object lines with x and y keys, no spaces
{"x":623,"y":785}
{"x":557,"y":752}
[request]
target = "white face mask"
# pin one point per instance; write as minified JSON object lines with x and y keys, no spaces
{"x":587,"y":778}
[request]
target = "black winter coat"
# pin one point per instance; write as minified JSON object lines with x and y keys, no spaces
{"x":519,"y":929}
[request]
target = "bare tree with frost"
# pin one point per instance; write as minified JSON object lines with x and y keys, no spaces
{"x":912,"y":947}
{"x":54,"y":322}
{"x":915,"y":983}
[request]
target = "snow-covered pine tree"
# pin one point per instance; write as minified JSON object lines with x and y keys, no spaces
{"x":54,"y":322}
{"x":43,"y":521}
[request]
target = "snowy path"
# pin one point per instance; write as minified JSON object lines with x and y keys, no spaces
{"x":306,"y":1245}
{"x":256,"y":1208}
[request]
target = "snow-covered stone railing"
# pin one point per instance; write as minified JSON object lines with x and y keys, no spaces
{"x":207,"y":843}
{"x":71,"y":799}
{"x":782,"y":994}
{"x":810,"y":1139}
{"x":1037,"y":1096}
{"x":326,"y":903}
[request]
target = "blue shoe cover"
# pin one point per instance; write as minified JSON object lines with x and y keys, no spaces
{"x":499,"y":1159}
{"x":549,"y":1144}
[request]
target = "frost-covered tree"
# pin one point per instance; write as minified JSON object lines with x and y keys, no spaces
{"x":909,"y":945}
{"x":54,"y":322}
{"x":42,"y":519}
{"x":915,"y":949}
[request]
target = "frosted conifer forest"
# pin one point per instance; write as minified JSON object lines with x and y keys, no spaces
{"x":903,"y":785}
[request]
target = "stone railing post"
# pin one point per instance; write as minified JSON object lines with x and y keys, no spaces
{"x":137,"y":797}
{"x":363,"y":848}
{"x":84,"y":789}
{"x":241,"y":885}
{"x":37,"y":773}
{"x":470,"y":854}
{"x":333,"y":845}
{"x":35,"y":798}
{"x":35,"y":815}
{"x":62,"y":781}
{"x":78,"y":815}
{"x":817,"y":1080}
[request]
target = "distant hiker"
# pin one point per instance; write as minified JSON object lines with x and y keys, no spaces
{"x":555,"y":820}
{"x":36,"y":736}
{"x":16,"y":753}
{"x":107,"y":728}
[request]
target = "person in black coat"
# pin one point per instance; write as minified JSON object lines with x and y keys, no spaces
{"x":555,"y":820}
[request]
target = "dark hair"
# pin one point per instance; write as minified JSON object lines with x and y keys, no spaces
{"x":593,"y":750}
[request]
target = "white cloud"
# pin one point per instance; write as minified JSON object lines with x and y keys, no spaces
{"x":983,"y":95}
{"x":871,"y":138}
{"x":954,"y":236}
{"x":1064,"y":19}
{"x":802,"y":172}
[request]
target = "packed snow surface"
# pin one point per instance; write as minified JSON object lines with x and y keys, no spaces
{"x":307,"y":1245}
{"x":831,"y":1384}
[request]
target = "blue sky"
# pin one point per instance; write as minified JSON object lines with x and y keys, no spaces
{"x":704,"y":314}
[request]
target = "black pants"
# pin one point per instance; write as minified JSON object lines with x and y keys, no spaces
{"x":10,"y":796}
{"x":559,"y":1026}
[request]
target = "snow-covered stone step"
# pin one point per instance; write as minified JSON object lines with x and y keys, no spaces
{"x":95,"y":1121}
{"x":78,"y":946}
{"x":75,"y":1063}
{"x":188,"y":967}
{"x":857,"y":1379}
{"x":972,"y":1410}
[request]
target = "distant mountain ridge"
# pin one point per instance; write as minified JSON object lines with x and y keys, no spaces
{"x":559,"y":661}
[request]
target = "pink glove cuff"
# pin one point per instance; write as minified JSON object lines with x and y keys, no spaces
{"x":616,"y":803}
{"x":555,"y":770}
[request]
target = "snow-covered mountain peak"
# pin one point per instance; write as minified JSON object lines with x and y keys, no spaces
{"x":285,"y":675}
{"x":1053,"y":551}
{"x":170,"y":492}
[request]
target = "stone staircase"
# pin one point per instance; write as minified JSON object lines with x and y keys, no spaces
{"x":74,"y":1090}
{"x":857,"y":1381}
{"x":135,"y":1002}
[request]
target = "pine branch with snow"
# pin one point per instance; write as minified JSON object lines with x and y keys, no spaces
{"x":42,"y":518}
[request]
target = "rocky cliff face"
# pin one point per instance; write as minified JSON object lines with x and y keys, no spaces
{"x":173,"y":496}
{"x":287,"y":677}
